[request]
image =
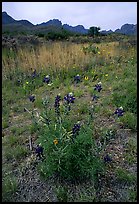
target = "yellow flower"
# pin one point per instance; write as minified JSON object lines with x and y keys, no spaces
{"x":27,"y":82}
{"x":55,"y":141}
{"x":106,"y":75}
{"x":99,"y":53}
{"x":86,"y":77}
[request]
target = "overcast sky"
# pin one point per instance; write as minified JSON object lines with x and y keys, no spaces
{"x":106,"y":15}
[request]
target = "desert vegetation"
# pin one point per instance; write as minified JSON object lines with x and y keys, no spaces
{"x":69,"y":120}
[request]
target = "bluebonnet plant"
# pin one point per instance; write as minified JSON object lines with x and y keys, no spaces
{"x":76,"y":129}
{"x":77,"y":78}
{"x":69,"y":98}
{"x":98,"y":87}
{"x":32,"y":98}
{"x":34,"y":74}
{"x":39,"y":151}
{"x":119,"y":111}
{"x":107,"y":158}
{"x":57,"y":104}
{"x":94,"y":97}
{"x":46,"y":79}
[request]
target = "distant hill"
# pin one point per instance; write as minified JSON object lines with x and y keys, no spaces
{"x":6,"y":19}
{"x":127,"y":29}
{"x":11,"y":25}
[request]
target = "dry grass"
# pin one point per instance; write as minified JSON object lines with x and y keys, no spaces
{"x":57,"y":55}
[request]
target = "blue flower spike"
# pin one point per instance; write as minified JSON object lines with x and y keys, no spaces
{"x":32,"y":98}
{"x":119,"y":111}
{"x":76,"y":129}
{"x":107,"y":159}
{"x":34,"y":74}
{"x":77,"y":78}
{"x":98,"y":87}
{"x":57,"y":104}
{"x":46,"y":79}
{"x":69,"y":98}
{"x":94,"y":97}
{"x":39,"y":151}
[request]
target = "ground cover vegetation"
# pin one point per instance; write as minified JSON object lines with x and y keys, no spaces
{"x":69,"y":120}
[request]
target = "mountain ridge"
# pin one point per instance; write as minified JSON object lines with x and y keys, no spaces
{"x":8,"y":21}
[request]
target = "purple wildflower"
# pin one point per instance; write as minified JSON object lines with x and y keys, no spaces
{"x":46,"y":79}
{"x":69,"y":98}
{"x":76,"y":129}
{"x":119,"y":111}
{"x":94,"y":97}
{"x":34,"y":74}
{"x":107,"y":158}
{"x":32,"y":98}
{"x":39,"y":151}
{"x":77,"y":78}
{"x":57,"y":104}
{"x":98,"y":87}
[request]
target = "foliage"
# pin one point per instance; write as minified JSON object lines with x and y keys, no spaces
{"x":93,"y":31}
{"x":68,"y":155}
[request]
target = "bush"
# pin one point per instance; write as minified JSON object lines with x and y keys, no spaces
{"x":70,"y":154}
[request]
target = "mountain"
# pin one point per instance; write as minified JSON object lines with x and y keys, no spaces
{"x":6,"y":19}
{"x":128,"y":29}
{"x":106,"y":32}
{"x":54,"y":22}
{"x":77,"y":29}
{"x":11,"y":25}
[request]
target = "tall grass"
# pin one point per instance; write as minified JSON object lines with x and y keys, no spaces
{"x":57,"y":56}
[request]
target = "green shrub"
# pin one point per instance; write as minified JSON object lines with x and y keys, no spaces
{"x":72,"y":156}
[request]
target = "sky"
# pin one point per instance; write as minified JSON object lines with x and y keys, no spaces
{"x":106,"y":15}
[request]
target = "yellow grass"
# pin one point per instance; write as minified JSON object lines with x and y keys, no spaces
{"x":58,"y":55}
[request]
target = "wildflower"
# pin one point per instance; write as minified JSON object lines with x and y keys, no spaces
{"x":107,"y":158}
{"x":39,"y":151}
{"x":106,"y":75}
{"x":46,"y":79}
{"x":69,"y":98}
{"x":32,"y":98}
{"x":119,"y":111}
{"x":27,"y":82}
{"x":57,"y":104}
{"x":77,"y":78}
{"x":94,"y":97}
{"x":98,"y":87}
{"x":86,"y":78}
{"x":55,"y":141}
{"x":76,"y":129}
{"x":34,"y":74}
{"x":99,"y":53}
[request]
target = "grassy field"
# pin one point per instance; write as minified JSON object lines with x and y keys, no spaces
{"x":89,"y":153}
